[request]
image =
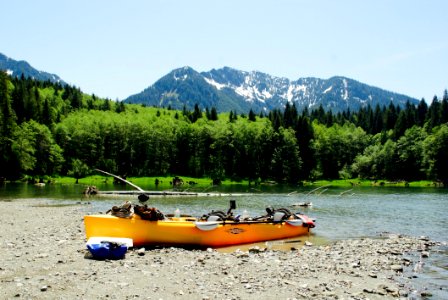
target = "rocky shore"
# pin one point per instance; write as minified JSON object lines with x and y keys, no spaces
{"x":44,"y":257}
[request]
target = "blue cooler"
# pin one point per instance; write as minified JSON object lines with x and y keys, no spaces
{"x":105,"y":248}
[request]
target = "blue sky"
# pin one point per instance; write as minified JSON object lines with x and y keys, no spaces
{"x":118,"y":48}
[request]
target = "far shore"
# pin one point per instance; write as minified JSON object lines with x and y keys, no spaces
{"x":201,"y":184}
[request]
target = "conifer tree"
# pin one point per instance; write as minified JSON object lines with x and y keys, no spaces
{"x":422,"y":111}
{"x":377,"y":122}
{"x":251,"y":115}
{"x":19,"y":95}
{"x":444,"y":108}
{"x":391,"y":116}
{"x":213,"y":114}
{"x":119,"y":106}
{"x":434,"y":113}
{"x":196,"y":114}
{"x":46,"y":118}
{"x":8,"y":117}
{"x":231,"y":118}
{"x":290,"y":115}
{"x":7,"y":127}
{"x":106,"y":105}
{"x":304,"y":135}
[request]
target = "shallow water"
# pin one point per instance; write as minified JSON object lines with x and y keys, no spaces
{"x":340,"y":214}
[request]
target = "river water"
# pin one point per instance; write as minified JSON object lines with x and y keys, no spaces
{"x":340,"y":213}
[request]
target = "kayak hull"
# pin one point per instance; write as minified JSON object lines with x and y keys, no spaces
{"x":185,"y":232}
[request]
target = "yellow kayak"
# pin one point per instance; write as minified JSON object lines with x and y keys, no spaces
{"x":193,"y":232}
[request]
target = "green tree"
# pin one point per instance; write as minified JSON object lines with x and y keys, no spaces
{"x":377,"y":161}
{"x":120,"y":107}
{"x":391,"y":116}
{"x":290,"y":115}
{"x":304,"y":135}
{"x":410,"y":154}
{"x":252,"y":116}
{"x":35,"y":149}
{"x":79,"y":170}
{"x":7,"y":127}
{"x":19,"y":95}
{"x":433,"y":116}
{"x":336,"y":147}
{"x":196,"y":114}
{"x":213,"y":114}
{"x":377,"y":122}
{"x":286,"y":163}
{"x":435,"y":148}
{"x":24,"y":148}
{"x":47,"y":114}
{"x":444,"y":108}
{"x":422,"y":110}
{"x":76,"y":99}
{"x":231,"y":117}
{"x":106,"y":106}
{"x":276,"y":118}
{"x":8,"y":117}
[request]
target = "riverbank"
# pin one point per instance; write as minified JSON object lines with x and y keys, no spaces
{"x":205,"y":184}
{"x":45,"y":257}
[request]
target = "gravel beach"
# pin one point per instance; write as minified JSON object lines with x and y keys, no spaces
{"x":45,"y":257}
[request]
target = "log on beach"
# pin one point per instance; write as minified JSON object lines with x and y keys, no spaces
{"x":167,"y":193}
{"x":149,"y":193}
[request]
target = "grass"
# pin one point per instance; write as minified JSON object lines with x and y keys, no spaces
{"x":165,"y":183}
{"x":204,"y":183}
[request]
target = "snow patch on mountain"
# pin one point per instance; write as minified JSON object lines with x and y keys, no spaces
{"x":182,"y":78}
{"x":292,"y":91}
{"x":217,"y":85}
{"x":266,"y":94}
{"x":245,"y":92}
{"x":345,"y":95}
{"x":327,"y":90}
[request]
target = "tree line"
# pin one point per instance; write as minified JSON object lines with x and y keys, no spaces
{"x":47,"y":129}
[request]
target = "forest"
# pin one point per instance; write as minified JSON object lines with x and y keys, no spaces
{"x":47,"y":129}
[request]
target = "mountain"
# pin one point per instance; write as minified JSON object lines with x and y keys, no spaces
{"x":17,"y":68}
{"x":229,"y":89}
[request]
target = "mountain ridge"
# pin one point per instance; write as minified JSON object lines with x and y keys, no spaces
{"x":17,"y":68}
{"x":231,"y":89}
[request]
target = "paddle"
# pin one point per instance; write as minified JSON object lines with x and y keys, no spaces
{"x":142,"y":197}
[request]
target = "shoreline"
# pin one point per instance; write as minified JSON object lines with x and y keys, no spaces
{"x":45,"y":257}
{"x":191,"y":183}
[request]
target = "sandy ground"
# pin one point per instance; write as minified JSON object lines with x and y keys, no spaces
{"x":45,"y":257}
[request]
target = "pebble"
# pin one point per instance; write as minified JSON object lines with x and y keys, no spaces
{"x":255,"y":249}
{"x":396,"y":268}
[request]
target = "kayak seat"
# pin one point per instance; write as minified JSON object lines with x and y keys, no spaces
{"x":215,"y":215}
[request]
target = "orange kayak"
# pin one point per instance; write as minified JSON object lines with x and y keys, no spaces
{"x":191,"y":232}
